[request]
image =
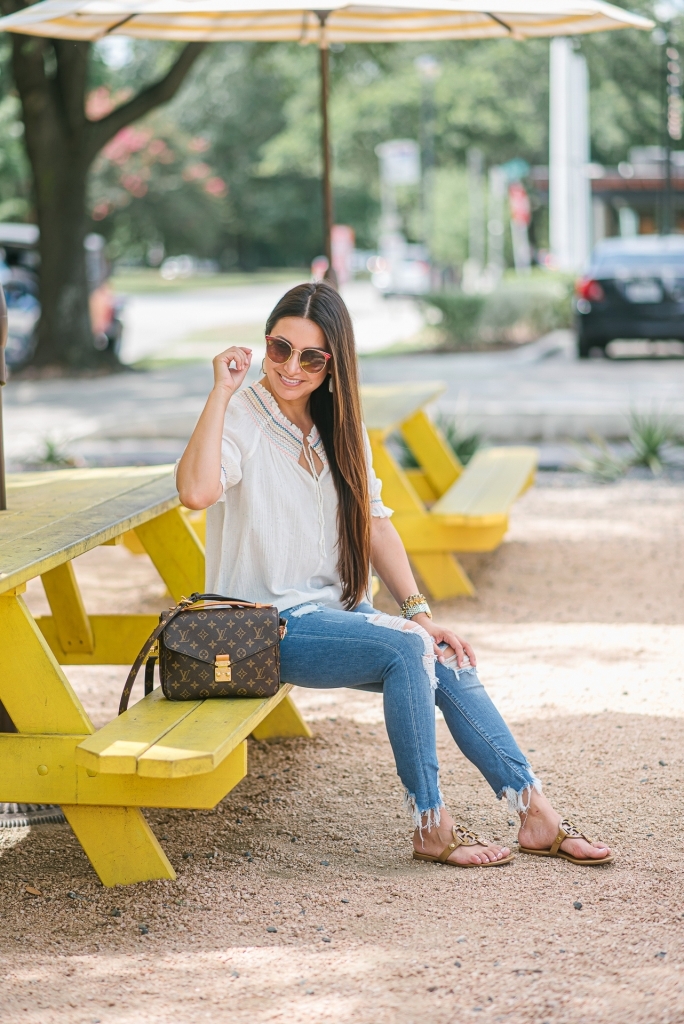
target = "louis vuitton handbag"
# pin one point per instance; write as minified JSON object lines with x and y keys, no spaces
{"x":212,"y":646}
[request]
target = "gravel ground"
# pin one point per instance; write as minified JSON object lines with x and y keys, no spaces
{"x":297,"y":899}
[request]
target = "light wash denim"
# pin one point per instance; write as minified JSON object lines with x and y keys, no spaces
{"x":365,"y":649}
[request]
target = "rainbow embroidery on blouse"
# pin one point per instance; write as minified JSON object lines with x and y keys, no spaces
{"x":286,"y":437}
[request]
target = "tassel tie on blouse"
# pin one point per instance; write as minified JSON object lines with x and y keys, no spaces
{"x":306,"y":448}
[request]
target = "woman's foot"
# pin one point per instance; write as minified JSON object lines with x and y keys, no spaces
{"x":437,"y":838}
{"x":539,"y":827}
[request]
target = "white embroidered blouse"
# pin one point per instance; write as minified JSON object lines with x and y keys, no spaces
{"x":272,"y":535}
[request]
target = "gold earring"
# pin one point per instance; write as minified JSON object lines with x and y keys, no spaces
{"x":263,"y":368}
{"x":330,"y":386}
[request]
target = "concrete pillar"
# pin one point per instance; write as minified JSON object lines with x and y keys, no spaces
{"x":569,"y":185}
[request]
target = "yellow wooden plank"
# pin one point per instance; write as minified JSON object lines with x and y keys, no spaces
{"x":386,"y":405}
{"x":119,"y":844}
{"x":59,"y":516}
{"x":197,"y":520}
{"x":451,"y":533}
{"x":430,"y":447}
{"x":33,"y":688}
{"x":443,"y":575}
{"x":176,"y":552}
{"x":206,"y":736}
{"x":130,"y":540}
{"x":116,"y":639}
{"x":71,"y":622}
{"x":284,"y":720}
{"x":490,"y":483}
{"x":397,"y":490}
{"x":61,"y":781}
{"x":422,"y":486}
{"x":115,"y":748}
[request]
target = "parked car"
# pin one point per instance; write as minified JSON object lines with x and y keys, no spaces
{"x":633,"y":288}
{"x":19,"y":279}
{"x":19,"y":276}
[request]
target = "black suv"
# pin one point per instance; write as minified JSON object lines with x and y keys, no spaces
{"x":634,"y":288}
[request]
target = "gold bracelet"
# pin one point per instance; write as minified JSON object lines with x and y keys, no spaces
{"x":415,"y":605}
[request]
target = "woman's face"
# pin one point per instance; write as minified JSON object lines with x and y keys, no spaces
{"x":287,"y":380}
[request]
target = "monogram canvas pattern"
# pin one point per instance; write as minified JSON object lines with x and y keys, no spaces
{"x":189,"y":645}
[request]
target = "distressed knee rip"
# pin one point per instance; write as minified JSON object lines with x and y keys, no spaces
{"x":519,"y":800}
{"x":407,"y":626}
{"x":452,"y":663}
{"x":432,"y":815}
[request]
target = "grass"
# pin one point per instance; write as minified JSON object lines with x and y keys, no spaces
{"x":146,"y":280}
{"x":463,"y":444}
{"x":599,"y":461}
{"x":54,"y":456}
{"x":652,"y":437}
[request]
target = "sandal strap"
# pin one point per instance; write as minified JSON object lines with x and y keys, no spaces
{"x":460,"y":836}
{"x":566,"y":830}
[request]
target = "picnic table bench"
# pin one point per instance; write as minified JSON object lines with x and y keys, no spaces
{"x":159,"y":753}
{"x":441,"y":506}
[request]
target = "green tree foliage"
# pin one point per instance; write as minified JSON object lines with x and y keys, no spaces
{"x":627,"y":80}
{"x":248,"y":116}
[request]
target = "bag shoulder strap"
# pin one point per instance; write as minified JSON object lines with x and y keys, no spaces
{"x":164,"y":621}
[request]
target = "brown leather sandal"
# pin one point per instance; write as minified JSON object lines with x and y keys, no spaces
{"x":462,"y":836}
{"x":567,"y":830}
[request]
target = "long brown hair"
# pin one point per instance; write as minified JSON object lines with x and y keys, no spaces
{"x":337,"y":416}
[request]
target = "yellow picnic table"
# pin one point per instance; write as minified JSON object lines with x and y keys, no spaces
{"x":159,"y":753}
{"x":441,"y":506}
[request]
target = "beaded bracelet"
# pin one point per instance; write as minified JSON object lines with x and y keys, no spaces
{"x":415,"y":605}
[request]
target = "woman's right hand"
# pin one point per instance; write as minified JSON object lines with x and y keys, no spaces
{"x":229,"y":378}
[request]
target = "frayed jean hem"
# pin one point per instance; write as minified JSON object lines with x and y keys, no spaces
{"x":431,"y":814}
{"x":519,"y":800}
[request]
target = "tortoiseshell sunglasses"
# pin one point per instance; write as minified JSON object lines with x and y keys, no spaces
{"x":311,"y":360}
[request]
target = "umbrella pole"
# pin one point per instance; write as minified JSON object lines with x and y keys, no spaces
{"x":324,"y":52}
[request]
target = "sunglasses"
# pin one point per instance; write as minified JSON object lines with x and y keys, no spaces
{"x":311,"y":360}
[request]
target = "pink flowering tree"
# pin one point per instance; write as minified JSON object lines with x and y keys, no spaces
{"x":63,"y":138}
{"x":155,"y":159}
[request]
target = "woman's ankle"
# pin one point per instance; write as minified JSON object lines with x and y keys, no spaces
{"x":540,"y":810}
{"x":435,"y":822}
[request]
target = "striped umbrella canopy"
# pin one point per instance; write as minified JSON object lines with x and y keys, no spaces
{"x":287,"y":21}
{"x":323,"y":23}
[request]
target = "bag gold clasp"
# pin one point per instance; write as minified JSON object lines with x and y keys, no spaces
{"x":222,"y":670}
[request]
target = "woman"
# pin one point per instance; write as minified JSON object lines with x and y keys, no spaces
{"x":295,"y":519}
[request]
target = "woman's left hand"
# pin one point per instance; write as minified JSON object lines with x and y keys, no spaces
{"x":461,"y":648}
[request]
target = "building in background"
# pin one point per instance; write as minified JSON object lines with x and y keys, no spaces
{"x":628,"y":199}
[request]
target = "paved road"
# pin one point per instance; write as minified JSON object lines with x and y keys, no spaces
{"x":198,"y":324}
{"x":540,"y":392}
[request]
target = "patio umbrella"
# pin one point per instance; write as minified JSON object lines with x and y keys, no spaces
{"x":325,"y":22}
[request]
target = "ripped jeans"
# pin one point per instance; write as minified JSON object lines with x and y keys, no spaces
{"x":368,"y":650}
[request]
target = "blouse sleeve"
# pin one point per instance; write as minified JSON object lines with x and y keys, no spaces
{"x":378,"y":510}
{"x":231,"y":462}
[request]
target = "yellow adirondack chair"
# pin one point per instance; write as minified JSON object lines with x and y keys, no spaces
{"x":442,"y":506}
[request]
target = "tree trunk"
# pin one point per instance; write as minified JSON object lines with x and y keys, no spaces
{"x":64,"y":334}
{"x":55,"y":132}
{"x":52,"y":80}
